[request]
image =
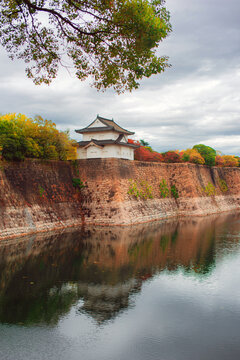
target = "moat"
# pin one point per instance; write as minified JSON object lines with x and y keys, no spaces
{"x":166,"y":290}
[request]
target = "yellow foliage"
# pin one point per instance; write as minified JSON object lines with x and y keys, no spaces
{"x":193,"y":156}
{"x":229,"y":160}
{"x":22,"y":137}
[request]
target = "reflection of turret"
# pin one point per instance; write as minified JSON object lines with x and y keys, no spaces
{"x":41,"y":277}
{"x":104,"y":302}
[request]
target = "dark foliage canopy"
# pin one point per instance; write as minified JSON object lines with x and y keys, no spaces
{"x":113,"y":41}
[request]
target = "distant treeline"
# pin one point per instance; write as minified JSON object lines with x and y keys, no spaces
{"x":199,"y":154}
{"x":22,"y":137}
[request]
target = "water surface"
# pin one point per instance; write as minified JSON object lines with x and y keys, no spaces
{"x":161,"y":291}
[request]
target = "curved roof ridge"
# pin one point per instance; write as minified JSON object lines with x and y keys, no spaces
{"x":110,"y":125}
{"x":115,"y":126}
{"x":102,"y":118}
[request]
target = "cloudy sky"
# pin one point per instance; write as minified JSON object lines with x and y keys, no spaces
{"x":196,"y":101}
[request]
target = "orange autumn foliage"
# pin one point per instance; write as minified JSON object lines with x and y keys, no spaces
{"x":171,"y":156}
{"x":226,"y":161}
{"x":145,"y":153}
{"x":219,"y":161}
{"x":192,"y":156}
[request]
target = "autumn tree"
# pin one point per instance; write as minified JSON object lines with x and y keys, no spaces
{"x":219,"y":161}
{"x":171,"y":156}
{"x":226,"y":161}
{"x":199,"y":154}
{"x":145,"y":153}
{"x":192,"y":156}
{"x":113,"y":41}
{"x":22,"y":137}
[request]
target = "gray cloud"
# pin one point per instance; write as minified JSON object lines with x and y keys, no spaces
{"x":197,"y":100}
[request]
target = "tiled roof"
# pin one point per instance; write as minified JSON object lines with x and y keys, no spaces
{"x":110,"y":125}
{"x":106,"y":142}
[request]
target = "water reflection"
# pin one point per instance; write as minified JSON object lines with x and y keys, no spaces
{"x":42,"y":276}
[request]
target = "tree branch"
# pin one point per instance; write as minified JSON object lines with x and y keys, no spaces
{"x":64,"y":19}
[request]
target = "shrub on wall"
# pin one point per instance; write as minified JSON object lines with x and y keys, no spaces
{"x":163,"y":188}
{"x":174,"y":192}
{"x":223,"y":185}
{"x":209,"y":189}
{"x":140,"y":189}
{"x":78,"y":183}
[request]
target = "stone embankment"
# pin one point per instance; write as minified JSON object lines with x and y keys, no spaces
{"x":39,"y":196}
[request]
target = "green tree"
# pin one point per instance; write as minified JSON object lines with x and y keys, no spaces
{"x":238,"y":159}
{"x":208,"y":153}
{"x":144,"y":143}
{"x":113,"y":41}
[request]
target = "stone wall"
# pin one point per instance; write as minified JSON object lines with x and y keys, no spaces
{"x":40,"y":196}
{"x":37,"y":196}
{"x":106,"y":199}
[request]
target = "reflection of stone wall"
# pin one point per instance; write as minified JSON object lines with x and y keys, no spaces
{"x":42,"y":276}
{"x":144,"y":248}
{"x":37,"y":196}
{"x":121,"y":252}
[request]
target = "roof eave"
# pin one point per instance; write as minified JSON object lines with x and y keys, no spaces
{"x":97,"y":129}
{"x":105,"y":143}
